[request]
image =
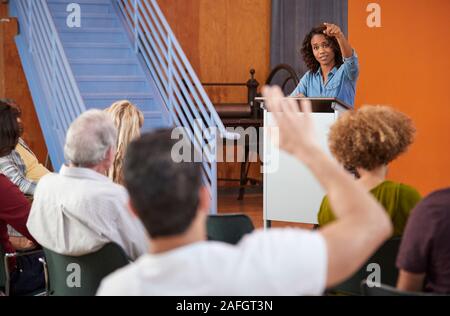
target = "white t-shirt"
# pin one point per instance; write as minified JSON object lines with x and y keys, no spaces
{"x":278,"y":262}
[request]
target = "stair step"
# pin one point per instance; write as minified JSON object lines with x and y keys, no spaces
{"x":98,"y":50}
{"x":113,"y":67}
{"x":144,"y":101}
{"x":86,"y":15}
{"x":106,"y":69}
{"x":88,"y":22}
{"x":151,"y":124}
{"x":145,"y":105}
{"x":114,"y":30}
{"x":113,"y":86}
{"x":96,"y":61}
{"x":86,"y":6}
{"x":97,"y":45}
{"x":92,"y":34}
{"x":119,"y":95}
{"x":110,"y":78}
{"x":80,"y":1}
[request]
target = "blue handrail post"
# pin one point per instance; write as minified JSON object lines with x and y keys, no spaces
{"x":170,"y":72}
{"x":30,"y":26}
{"x":214,"y":203}
{"x":136,"y":25}
{"x":184,"y":97}
{"x":55,"y":93}
{"x":53,"y":70}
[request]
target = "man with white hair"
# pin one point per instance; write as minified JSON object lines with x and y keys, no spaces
{"x":79,"y":210}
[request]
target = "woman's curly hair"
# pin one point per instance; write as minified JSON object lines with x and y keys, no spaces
{"x":307,"y":50}
{"x":371,"y":137}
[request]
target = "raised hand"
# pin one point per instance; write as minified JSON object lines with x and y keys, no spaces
{"x":333,"y":30}
{"x":296,"y":129}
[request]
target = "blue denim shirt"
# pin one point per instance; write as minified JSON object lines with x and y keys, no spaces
{"x":341,"y":82}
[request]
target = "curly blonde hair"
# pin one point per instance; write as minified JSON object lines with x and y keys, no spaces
{"x":128,"y":120}
{"x":371,"y":137}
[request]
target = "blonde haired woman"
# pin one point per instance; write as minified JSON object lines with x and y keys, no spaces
{"x":128,"y":120}
{"x":367,"y":140}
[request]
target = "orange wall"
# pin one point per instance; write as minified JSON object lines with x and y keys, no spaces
{"x":406,"y":64}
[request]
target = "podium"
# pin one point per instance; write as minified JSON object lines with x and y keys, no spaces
{"x":291,"y":193}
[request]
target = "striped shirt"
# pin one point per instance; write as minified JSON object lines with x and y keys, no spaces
{"x":13,"y":167}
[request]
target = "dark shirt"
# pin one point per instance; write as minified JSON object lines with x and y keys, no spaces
{"x":14,"y":210}
{"x":425,"y":246}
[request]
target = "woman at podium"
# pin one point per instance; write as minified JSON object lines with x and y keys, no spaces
{"x":367,"y":140}
{"x":332,"y":63}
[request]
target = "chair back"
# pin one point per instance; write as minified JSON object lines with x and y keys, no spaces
{"x":384,"y":258}
{"x":229,"y":228}
{"x":387,"y":290}
{"x":81,"y":276}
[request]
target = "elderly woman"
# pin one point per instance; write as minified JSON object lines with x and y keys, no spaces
{"x":367,"y":141}
{"x":128,"y":120}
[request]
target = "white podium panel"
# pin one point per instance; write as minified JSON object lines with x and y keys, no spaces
{"x":291,"y":193}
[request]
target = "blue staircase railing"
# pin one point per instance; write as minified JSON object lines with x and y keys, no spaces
{"x":55,"y":92}
{"x":179,"y":86}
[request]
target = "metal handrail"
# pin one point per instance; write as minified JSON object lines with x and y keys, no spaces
{"x":179,"y":86}
{"x":62,"y":96}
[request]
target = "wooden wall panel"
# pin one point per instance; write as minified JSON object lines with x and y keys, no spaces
{"x":3,"y":9}
{"x":223,"y":40}
{"x":183,"y":18}
{"x":13,"y":84}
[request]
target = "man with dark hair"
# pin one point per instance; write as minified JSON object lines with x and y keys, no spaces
{"x":158,"y":195}
{"x":173,"y":204}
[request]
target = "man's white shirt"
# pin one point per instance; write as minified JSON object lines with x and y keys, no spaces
{"x":278,"y":262}
{"x":78,"y":211}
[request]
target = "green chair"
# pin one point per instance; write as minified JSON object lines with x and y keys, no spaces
{"x":387,"y":290}
{"x":229,"y":228}
{"x":81,"y":276}
{"x":385,"y":257}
